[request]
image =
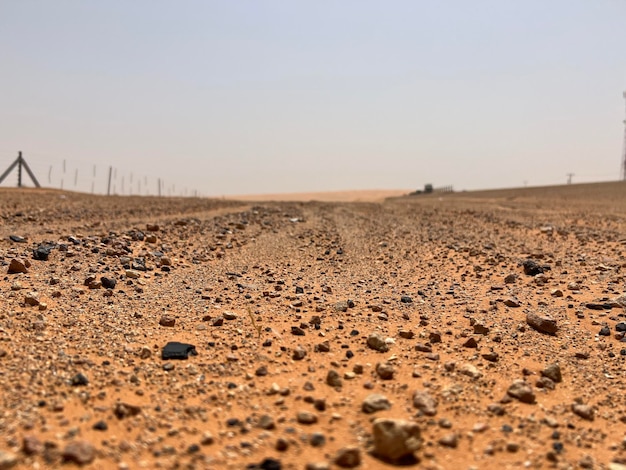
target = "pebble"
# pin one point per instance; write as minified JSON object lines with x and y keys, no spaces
{"x":333,"y":378}
{"x":348,"y":457}
{"x":17,"y":265}
{"x":542,"y":323}
{"x":7,"y":460}
{"x":377,"y":342}
{"x":375,"y":402}
{"x":425,"y":403}
{"x":553,"y":372}
{"x":385,"y":370}
{"x":449,"y":440}
{"x":584,"y":411}
{"x":79,"y":452}
{"x":395,"y":439}
{"x":167,"y":321}
{"x":306,"y":417}
{"x":522,"y":391}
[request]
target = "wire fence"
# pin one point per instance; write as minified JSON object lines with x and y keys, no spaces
{"x":86,"y":177}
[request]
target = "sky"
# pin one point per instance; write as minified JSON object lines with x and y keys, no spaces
{"x":227,"y":97}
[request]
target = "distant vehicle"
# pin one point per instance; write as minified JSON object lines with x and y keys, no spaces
{"x":428,"y":188}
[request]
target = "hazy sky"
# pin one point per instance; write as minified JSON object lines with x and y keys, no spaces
{"x":232,"y":97}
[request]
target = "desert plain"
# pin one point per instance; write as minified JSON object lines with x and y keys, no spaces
{"x":474,"y":330}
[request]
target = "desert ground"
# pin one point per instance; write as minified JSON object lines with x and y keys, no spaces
{"x":477,"y":330}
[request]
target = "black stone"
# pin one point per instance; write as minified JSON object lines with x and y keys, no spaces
{"x":101,"y":426}
{"x":299,"y":290}
{"x":17,"y":239}
{"x":267,"y":464}
{"x":405,"y":299}
{"x":108,"y":282}
{"x":532,"y":268}
{"x":605,"y":331}
{"x":41,"y":253}
{"x":620,"y":326}
{"x":176,"y":350}
{"x":79,"y":380}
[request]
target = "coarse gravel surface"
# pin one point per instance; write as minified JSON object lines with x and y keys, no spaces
{"x":457,"y":331}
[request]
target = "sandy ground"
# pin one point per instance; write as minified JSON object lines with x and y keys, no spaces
{"x":372,"y":195}
{"x":481,"y":330}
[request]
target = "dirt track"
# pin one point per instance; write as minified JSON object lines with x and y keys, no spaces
{"x":274,"y":296}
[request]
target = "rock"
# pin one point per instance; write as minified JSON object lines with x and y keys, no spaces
{"x":425,"y":403}
{"x":229,"y":315}
{"x":108,"y":282}
{"x":348,"y":457}
{"x":470,"y":343}
{"x":395,"y":439}
{"x":299,"y":353}
{"x":405,"y":299}
{"x":480,"y":329}
{"x":341,"y":306}
{"x":553,"y":372}
{"x":556,"y":293}
{"x":297,"y":331}
{"x":584,"y":411}
{"x":532,"y":268}
{"x":266,"y":422}
{"x":333,"y":378}
{"x":510,"y":279}
{"x":317,"y":439}
{"x":406,"y":334}
{"x":385,"y":370}
{"x":377,"y":342}
{"x":41,"y":253}
{"x":266,"y":464}
{"x":125,"y":410}
{"x":375,"y":402}
{"x":176,"y":350}
{"x":7,"y":460}
{"x":542,"y":323}
{"x":79,"y":380}
{"x":79,"y":452}
{"x":470,"y":370}
{"x":167,"y":320}
{"x":449,"y":440}
{"x":17,"y":265}
{"x":522,"y":391}
{"x":512,"y":302}
{"x":31,"y":445}
{"x":306,"y":417}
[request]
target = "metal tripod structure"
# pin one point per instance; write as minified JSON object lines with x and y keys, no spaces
{"x":19,"y":163}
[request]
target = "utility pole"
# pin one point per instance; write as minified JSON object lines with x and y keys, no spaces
{"x":569,"y":178}
{"x":19,"y":163}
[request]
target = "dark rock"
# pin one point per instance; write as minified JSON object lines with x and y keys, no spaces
{"x":17,"y":239}
{"x":100,"y":426}
{"x":605,"y":331}
{"x":297,"y":331}
{"x":108,"y":282}
{"x":532,"y":268}
{"x":266,"y":464}
{"x":42,"y":252}
{"x":405,"y":299}
{"x":377,"y":342}
{"x":176,"y":350}
{"x":125,"y":410}
{"x":79,"y":380}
